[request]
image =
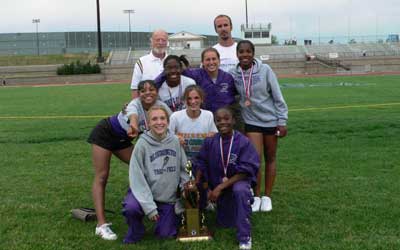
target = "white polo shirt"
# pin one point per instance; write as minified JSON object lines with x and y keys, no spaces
{"x":227,"y":56}
{"x":148,"y":67}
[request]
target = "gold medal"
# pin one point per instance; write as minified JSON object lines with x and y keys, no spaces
{"x":224,"y":179}
{"x":247,"y":103}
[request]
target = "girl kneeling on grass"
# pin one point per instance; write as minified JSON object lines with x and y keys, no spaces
{"x":229,"y":164}
{"x":112,"y":136}
{"x":156,"y":169}
{"x":264,"y":112}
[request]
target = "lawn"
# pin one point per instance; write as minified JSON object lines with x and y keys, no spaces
{"x":338,"y":169}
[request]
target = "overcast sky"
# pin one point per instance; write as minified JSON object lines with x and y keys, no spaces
{"x":296,"y":18}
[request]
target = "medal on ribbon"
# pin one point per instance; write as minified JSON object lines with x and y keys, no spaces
{"x":225,"y":163}
{"x":176,"y":106}
{"x":247,"y":86}
{"x":146,"y":127}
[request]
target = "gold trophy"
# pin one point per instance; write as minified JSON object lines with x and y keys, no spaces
{"x":193,"y":221}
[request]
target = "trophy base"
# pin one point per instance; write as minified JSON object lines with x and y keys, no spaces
{"x":187,"y":238}
{"x":192,"y":226}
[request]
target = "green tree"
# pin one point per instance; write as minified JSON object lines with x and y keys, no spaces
{"x":274,"y":40}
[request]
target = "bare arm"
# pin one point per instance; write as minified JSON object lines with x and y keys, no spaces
{"x":133,"y":130}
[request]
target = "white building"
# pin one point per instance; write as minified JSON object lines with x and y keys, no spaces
{"x":258,"y":34}
{"x":186,"y":40}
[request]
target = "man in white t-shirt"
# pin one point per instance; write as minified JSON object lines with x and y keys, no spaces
{"x":148,"y":67}
{"x":226,"y":46}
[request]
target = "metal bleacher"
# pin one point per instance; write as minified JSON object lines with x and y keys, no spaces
{"x":343,"y":50}
{"x":280,"y":52}
{"x":130,"y":56}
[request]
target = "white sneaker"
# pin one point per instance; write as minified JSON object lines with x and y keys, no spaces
{"x":266,"y":204}
{"x":255,"y":207}
{"x":105,"y":232}
{"x":210,"y":207}
{"x":245,"y":245}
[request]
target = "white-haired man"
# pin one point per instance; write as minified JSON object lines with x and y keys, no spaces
{"x":148,"y":67}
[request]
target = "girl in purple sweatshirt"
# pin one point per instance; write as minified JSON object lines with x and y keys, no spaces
{"x":229,"y":164}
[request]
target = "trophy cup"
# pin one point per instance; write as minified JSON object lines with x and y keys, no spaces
{"x":193,"y":221}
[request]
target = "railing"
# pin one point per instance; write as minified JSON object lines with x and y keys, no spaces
{"x":266,"y":53}
{"x":331,"y":63}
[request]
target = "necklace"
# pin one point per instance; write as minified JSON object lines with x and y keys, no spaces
{"x":247,"y":86}
{"x":144,"y":117}
{"x":176,"y":105}
{"x":225,"y":164}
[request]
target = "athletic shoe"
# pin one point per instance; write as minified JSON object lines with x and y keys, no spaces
{"x":245,"y":245}
{"x":105,"y":232}
{"x":255,"y":207}
{"x":266,"y":204}
{"x":210,"y":207}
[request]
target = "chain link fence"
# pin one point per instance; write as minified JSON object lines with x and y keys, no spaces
{"x":75,"y":42}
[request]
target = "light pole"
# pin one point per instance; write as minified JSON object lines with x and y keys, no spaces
{"x":100,"y":57}
{"x":37,"y":21}
{"x":247,"y":20}
{"x":376,"y":27}
{"x":319,"y":30}
{"x":349,"y":23}
{"x":129,"y":12}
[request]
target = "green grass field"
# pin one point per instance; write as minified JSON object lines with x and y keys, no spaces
{"x":338,"y":170}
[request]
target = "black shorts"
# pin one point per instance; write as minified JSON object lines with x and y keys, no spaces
{"x":104,"y":136}
{"x":264,"y":130}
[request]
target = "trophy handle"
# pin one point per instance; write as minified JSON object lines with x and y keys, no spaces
{"x":183,"y":222}
{"x":189,"y":168}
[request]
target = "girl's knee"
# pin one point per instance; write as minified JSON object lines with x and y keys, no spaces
{"x":101,"y":176}
{"x":100,"y":181}
{"x":131,"y":210}
{"x":270,"y":158}
{"x":270,"y":168}
{"x":131,"y":207}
